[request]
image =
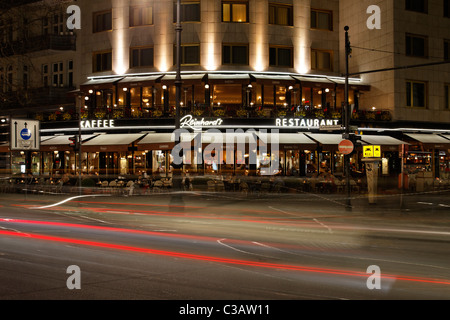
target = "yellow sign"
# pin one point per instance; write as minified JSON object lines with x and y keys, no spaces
{"x":368,"y":151}
{"x":372,"y":151}
{"x":377,"y":151}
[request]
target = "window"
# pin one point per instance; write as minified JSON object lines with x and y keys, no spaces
{"x":190,"y":54}
{"x":417,"y":5}
{"x":190,"y":11}
{"x":416,"y":45}
{"x":447,"y":8}
{"x":141,"y":57}
{"x":416,"y":93}
{"x":58,"y":74}
{"x":447,"y":97}
{"x":102,"y":21}
{"x":235,"y":54}
{"x":45,"y":75}
{"x":280,"y":14}
{"x":141,"y":16}
{"x":321,"y":19}
{"x":321,"y":60}
{"x":280,"y":57}
{"x":234,"y":11}
{"x":102,"y":61}
{"x":446,"y":49}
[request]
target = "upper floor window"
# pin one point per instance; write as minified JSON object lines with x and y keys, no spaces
{"x":280,"y":14}
{"x":417,"y":5}
{"x":141,"y":16}
{"x":235,"y":11}
{"x":321,"y":60}
{"x":321,"y":19}
{"x":190,"y":54}
{"x":189,"y":11}
{"x":235,"y":54}
{"x":416,"y":45}
{"x":58,"y":74}
{"x":141,"y":57}
{"x":447,"y":8}
{"x":416,"y":94}
{"x":102,"y":61}
{"x":102,"y":21}
{"x":280,"y":57}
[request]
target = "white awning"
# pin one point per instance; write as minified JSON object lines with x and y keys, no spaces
{"x":137,"y":79}
{"x":288,"y":138}
{"x":94,"y":82}
{"x":381,"y":140}
{"x":428,"y":138}
{"x":326,"y":139}
{"x":63,"y":140}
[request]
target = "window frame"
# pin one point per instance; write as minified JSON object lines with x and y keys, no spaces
{"x":184,"y":4}
{"x":411,"y":97}
{"x":314,"y":50}
{"x":277,"y":6}
{"x":330,"y":19}
{"x":231,"y":3}
{"x":183,"y":54}
{"x":94,"y":21}
{"x":419,"y":11}
{"x":140,"y":24}
{"x":94,"y":60}
{"x":139,"y":65}
{"x":411,"y":49}
{"x":231,"y":45}
{"x":277,"y":64}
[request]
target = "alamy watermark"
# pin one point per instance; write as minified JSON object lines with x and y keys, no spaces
{"x":239,"y":145}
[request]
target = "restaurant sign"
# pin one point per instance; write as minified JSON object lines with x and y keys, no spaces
{"x":102,"y":123}
{"x":305,"y":123}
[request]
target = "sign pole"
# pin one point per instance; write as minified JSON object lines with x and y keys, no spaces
{"x":347,"y":119}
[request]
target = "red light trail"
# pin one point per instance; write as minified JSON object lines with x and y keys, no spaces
{"x":217,"y":259}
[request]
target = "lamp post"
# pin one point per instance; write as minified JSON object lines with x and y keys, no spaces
{"x":347,"y":117}
{"x":178,"y":81}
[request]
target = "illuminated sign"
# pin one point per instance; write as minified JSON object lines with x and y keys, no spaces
{"x":305,"y":123}
{"x":106,"y":123}
{"x":189,"y":121}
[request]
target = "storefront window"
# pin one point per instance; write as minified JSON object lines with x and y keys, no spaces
{"x":418,"y":161}
{"x":35,"y":163}
{"x":159,"y":161}
{"x":292,"y":163}
{"x":139,"y":163}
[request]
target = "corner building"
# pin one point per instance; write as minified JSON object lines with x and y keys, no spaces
{"x":262,"y":65}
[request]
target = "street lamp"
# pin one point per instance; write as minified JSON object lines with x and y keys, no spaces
{"x":347,"y":117}
{"x":178,"y":81}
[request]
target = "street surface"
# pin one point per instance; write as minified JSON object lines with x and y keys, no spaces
{"x":224,"y":246}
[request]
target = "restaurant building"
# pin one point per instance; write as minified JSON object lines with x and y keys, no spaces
{"x":258,"y":66}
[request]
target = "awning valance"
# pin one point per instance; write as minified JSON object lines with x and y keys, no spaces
{"x":228,"y":78}
{"x":111,"y":142}
{"x":139,"y":81}
{"x":273,"y":79}
{"x":60,"y":143}
{"x":103,"y":83}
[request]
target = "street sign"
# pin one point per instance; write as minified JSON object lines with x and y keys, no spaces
{"x":346,"y":147}
{"x":377,"y":151}
{"x":368,"y":151}
{"x":372,"y":151}
{"x":24,"y":135}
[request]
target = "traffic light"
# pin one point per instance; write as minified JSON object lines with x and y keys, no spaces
{"x":74,"y":143}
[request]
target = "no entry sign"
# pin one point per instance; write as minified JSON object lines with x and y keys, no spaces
{"x":346,"y":147}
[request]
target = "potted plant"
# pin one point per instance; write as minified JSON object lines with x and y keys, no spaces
{"x":319,"y":114}
{"x":242,"y":113}
{"x":157,"y":113}
{"x":281,"y":113}
{"x":198,"y":112}
{"x":219,"y":112}
{"x":300,"y":114}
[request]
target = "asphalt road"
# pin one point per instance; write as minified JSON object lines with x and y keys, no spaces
{"x":198,"y":246}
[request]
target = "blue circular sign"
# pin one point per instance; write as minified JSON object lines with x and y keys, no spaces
{"x":25,"y":134}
